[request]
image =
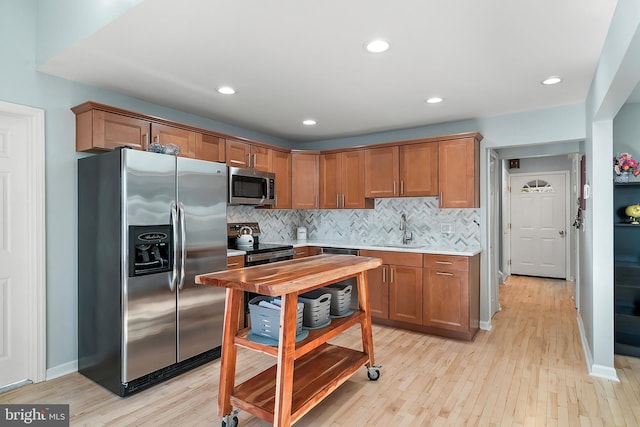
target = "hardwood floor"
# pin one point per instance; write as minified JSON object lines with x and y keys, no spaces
{"x":528,"y":370}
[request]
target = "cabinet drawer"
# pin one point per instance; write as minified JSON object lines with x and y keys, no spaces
{"x":236,"y":261}
{"x":301,"y":252}
{"x":446,"y":262}
{"x":395,"y":258}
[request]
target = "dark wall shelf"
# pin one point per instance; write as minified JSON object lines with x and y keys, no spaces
{"x":626,"y":279}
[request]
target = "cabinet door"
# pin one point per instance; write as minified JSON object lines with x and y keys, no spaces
{"x":304,"y":181}
{"x":281,"y":166}
{"x":185,"y":139}
{"x":458,"y":173}
{"x":405,"y":294}
{"x":446,"y":300}
{"x":381,"y":172}
{"x":379,"y":291}
{"x":419,"y":169}
{"x":260,"y":158}
{"x":353,"y":180}
{"x":111,"y":131}
{"x":209,"y":147}
{"x":330,"y":181}
{"x":237,"y":153}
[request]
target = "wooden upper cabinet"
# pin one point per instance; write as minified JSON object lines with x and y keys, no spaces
{"x":210,"y":147}
{"x":419,"y":169}
{"x":330,"y":181}
{"x":281,"y":166}
{"x":245,"y":155}
{"x":304,"y":181}
{"x":353,"y":181}
{"x":260,"y":158}
{"x":98,"y":130}
{"x":459,"y":173}
{"x":381,"y":167}
{"x":342,"y":181}
{"x":237,"y":153}
{"x":185,"y":139}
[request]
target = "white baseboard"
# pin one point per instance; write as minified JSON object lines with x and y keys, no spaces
{"x":485,"y":326}
{"x":600,"y":371}
{"x":60,"y":370}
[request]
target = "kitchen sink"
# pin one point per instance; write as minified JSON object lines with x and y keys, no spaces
{"x":401,"y":246}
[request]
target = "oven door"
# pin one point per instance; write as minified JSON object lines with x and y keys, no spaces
{"x":268,"y":257}
{"x":259,"y":259}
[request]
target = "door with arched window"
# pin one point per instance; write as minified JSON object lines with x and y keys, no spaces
{"x":539,"y":224}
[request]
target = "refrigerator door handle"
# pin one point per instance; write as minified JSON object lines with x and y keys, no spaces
{"x":174,"y":226}
{"x":183,"y":245}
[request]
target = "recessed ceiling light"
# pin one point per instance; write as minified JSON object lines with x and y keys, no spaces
{"x":376,"y":46}
{"x":552,"y":80}
{"x":226,"y":90}
{"x":433,"y":100}
{"x":309,"y":122}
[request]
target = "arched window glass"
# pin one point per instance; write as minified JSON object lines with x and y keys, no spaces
{"x":537,"y":186}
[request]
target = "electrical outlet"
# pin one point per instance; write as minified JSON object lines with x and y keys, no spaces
{"x":446,"y":228}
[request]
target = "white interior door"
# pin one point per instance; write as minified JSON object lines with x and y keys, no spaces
{"x":538,"y":224}
{"x":21,"y":245}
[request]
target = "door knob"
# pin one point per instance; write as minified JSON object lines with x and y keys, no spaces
{"x":561,"y":232}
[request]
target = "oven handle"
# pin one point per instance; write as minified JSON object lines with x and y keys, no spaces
{"x":270,"y":255}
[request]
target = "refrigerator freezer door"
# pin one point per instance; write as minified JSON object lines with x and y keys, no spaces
{"x":202,"y":193}
{"x":149,"y":305}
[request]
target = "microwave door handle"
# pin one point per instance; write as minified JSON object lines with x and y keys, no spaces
{"x":174,"y":227}
{"x":183,"y":245}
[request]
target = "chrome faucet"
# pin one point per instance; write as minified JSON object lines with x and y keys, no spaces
{"x":403,"y":227}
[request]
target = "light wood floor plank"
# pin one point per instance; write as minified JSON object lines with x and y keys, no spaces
{"x":528,"y":370}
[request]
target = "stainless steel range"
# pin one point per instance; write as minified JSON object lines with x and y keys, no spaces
{"x":258,"y":253}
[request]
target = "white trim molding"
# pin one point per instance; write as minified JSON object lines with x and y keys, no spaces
{"x":599,"y":371}
{"x":36,"y":275}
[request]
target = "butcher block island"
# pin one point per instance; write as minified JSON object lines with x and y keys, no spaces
{"x":306,"y":370}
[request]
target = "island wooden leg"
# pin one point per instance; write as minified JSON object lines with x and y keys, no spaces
{"x":286,"y":353}
{"x":365,"y":325}
{"x":233,"y":306}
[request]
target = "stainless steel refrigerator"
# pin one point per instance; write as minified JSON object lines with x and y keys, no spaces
{"x":147,"y":224}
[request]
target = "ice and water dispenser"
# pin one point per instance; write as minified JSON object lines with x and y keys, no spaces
{"x":150,"y":249}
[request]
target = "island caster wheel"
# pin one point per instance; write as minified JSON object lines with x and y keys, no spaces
{"x":373,"y":373}
{"x":230,"y":420}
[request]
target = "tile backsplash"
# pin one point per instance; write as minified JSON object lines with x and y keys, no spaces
{"x":457,"y":228}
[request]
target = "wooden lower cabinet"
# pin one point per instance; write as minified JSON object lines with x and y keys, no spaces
{"x":452,"y":294}
{"x":435,"y":294}
{"x":235,"y":261}
{"x":305,"y":251}
{"x":395,"y":288}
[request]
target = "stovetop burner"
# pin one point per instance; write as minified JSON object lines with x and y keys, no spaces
{"x":258,"y":248}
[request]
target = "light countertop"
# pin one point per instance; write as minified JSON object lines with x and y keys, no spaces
{"x":422,"y":249}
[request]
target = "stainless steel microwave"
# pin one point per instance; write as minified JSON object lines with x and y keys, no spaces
{"x":251,"y":187}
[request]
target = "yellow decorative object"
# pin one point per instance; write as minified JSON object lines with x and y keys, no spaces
{"x":633,"y":212}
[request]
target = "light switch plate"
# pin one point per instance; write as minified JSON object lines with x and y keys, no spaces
{"x":446,"y":228}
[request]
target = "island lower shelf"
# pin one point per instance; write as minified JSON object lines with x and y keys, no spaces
{"x":315,"y":375}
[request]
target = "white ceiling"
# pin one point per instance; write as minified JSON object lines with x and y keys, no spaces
{"x":296,"y":59}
